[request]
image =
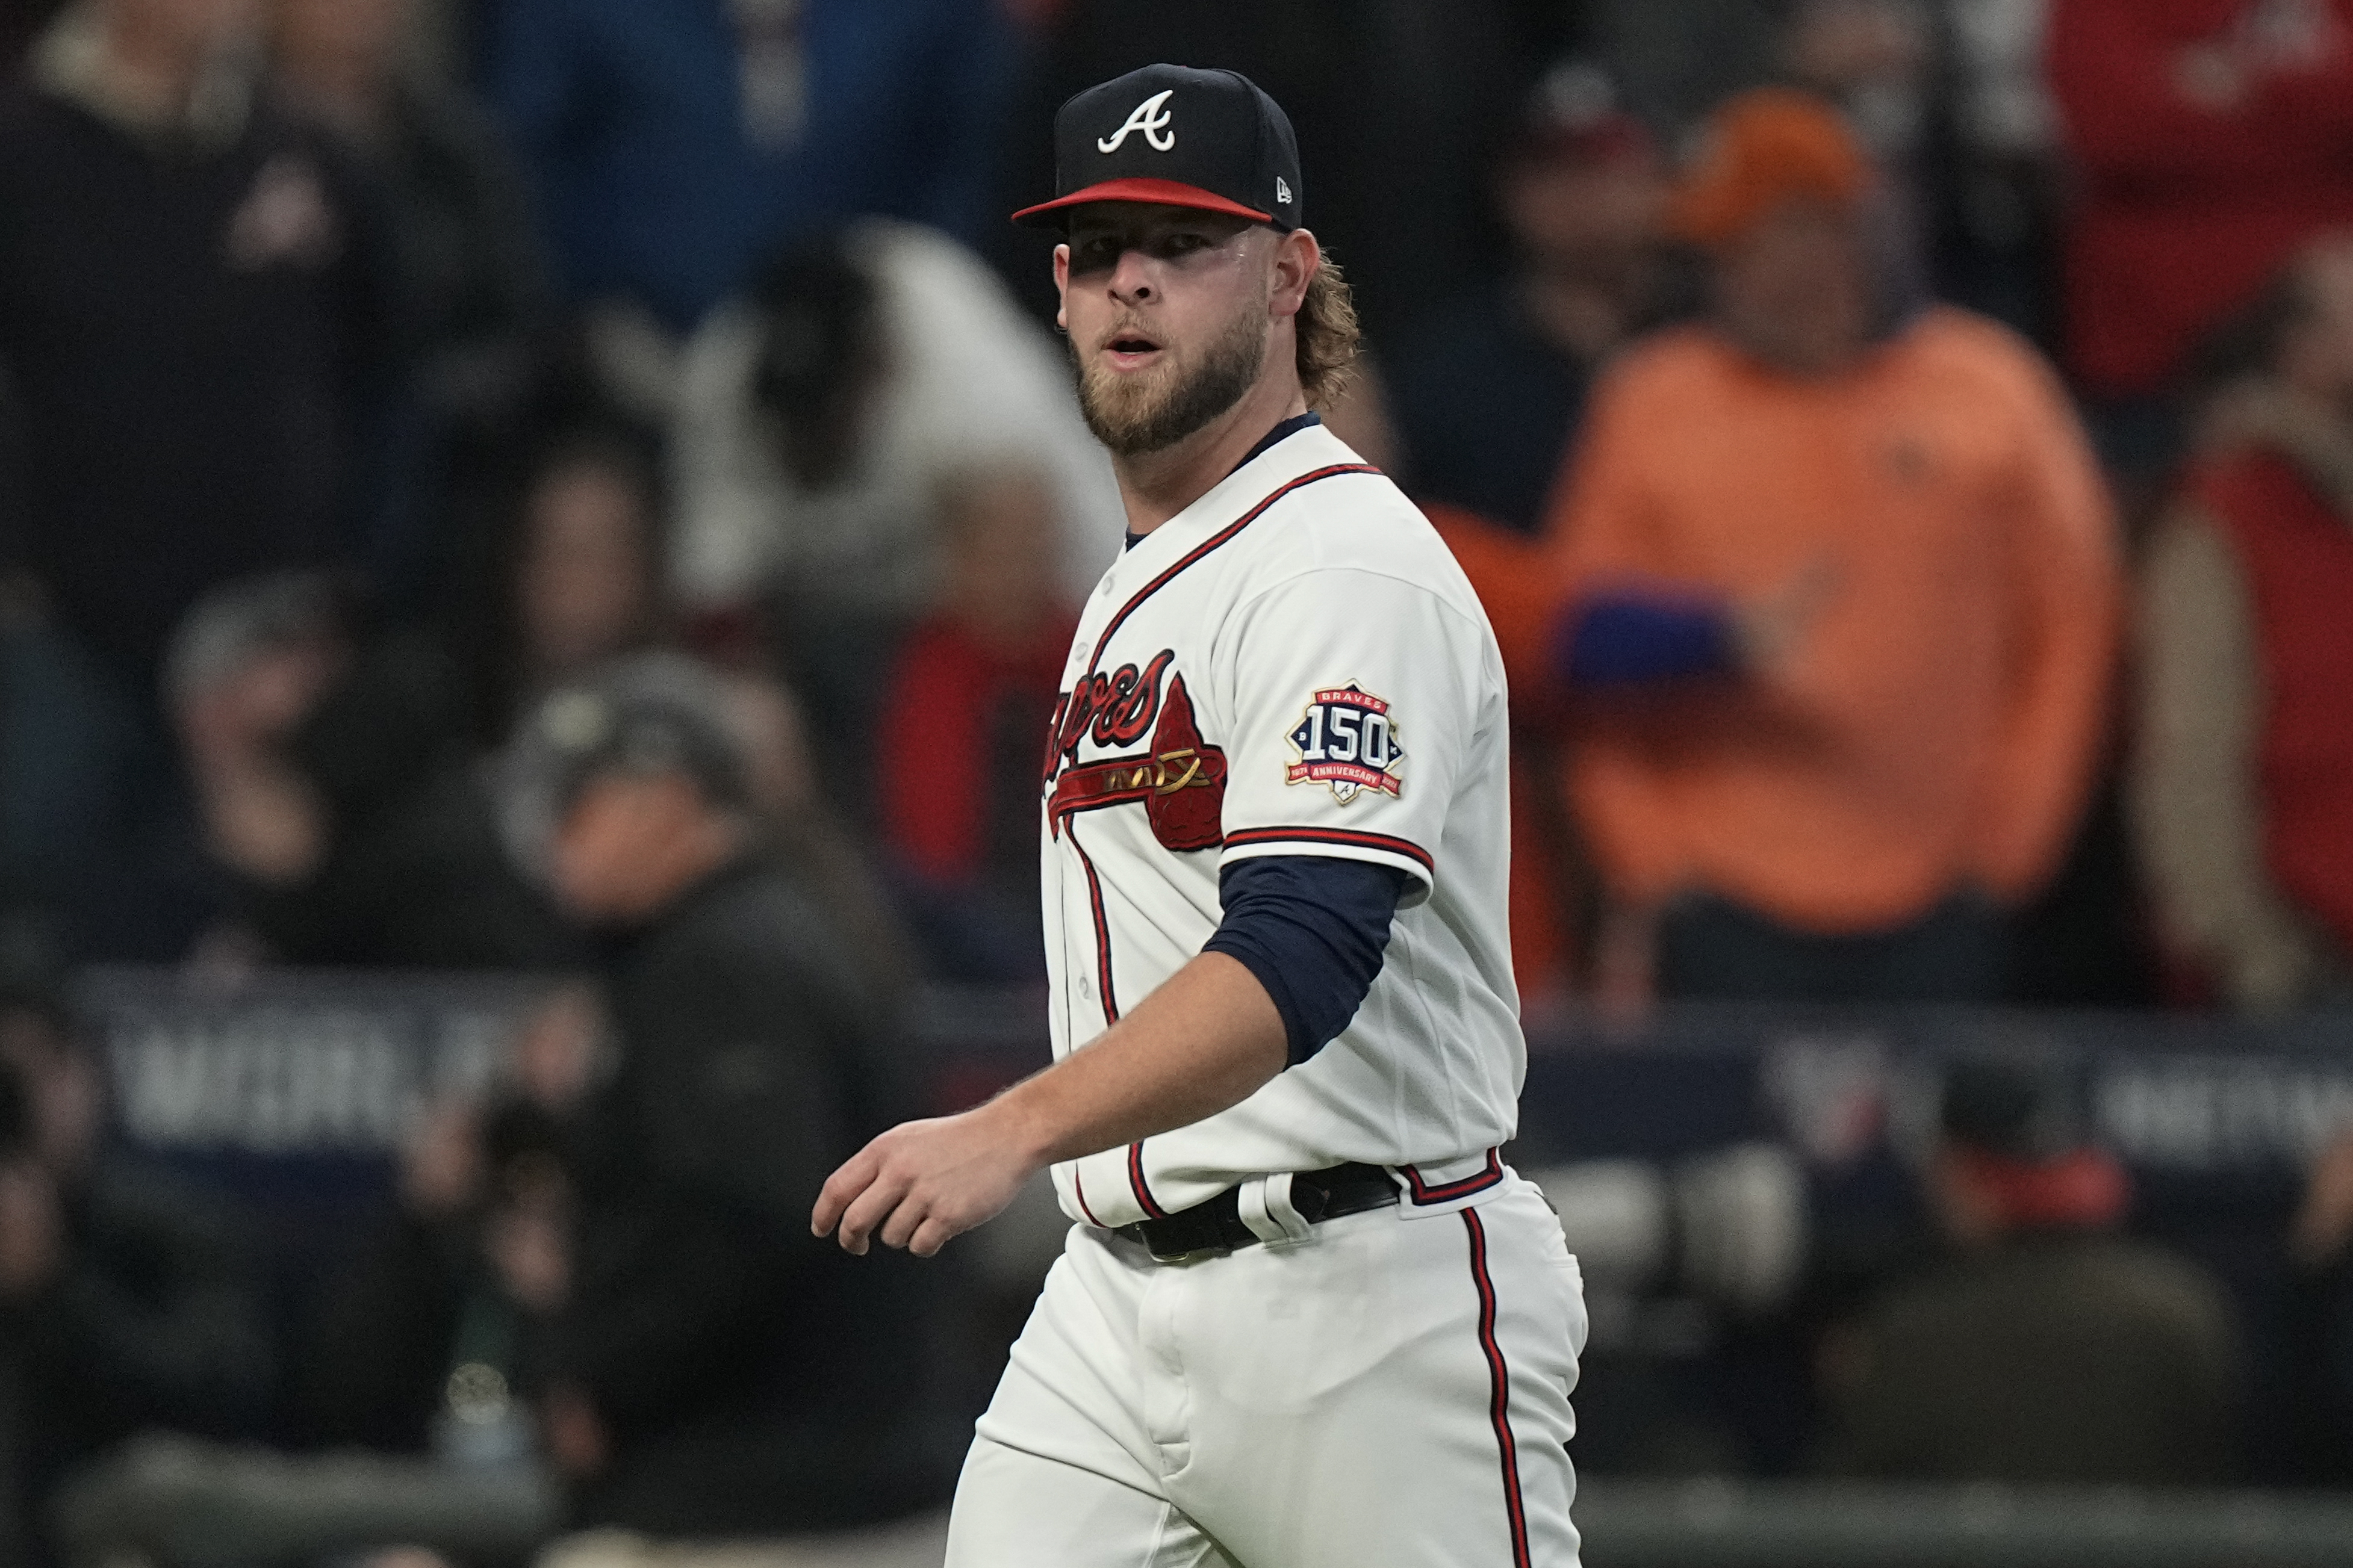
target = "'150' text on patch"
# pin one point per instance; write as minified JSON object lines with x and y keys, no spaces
{"x":1347,"y":739}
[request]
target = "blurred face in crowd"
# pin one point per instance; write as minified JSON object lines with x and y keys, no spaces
{"x":184,"y":31}
{"x":585,"y":579}
{"x":1795,"y":290}
{"x":1002,"y":578}
{"x":261,"y":815}
{"x":1172,"y":314}
{"x":630,"y":843}
{"x":1840,"y":46}
{"x":2317,"y":357}
{"x":782,"y":777}
{"x":255,"y":703}
{"x":1594,"y":219}
{"x":340,"y":40}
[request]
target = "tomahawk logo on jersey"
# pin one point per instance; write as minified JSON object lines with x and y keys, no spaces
{"x":1244,"y":682}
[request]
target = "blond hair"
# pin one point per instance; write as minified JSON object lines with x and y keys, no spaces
{"x":1328,"y":336}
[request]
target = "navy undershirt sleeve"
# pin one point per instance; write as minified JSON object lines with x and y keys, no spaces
{"x":1312,"y":929}
{"x":1625,"y":639}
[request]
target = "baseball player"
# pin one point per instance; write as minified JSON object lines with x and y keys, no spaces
{"x":1306,"y":1318}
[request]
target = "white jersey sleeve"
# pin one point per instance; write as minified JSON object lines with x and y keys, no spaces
{"x":1353,"y":693}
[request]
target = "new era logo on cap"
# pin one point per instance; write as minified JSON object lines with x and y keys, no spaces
{"x":1174,"y":136}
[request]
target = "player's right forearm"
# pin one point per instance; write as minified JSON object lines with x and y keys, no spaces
{"x":1204,"y":1042}
{"x":1200,"y":1044}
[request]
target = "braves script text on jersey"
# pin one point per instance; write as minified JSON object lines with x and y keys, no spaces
{"x":1291,"y":666}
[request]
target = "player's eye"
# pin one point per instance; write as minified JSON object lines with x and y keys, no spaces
{"x":1096,"y":255}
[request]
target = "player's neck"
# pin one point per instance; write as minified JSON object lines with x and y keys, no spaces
{"x":1156,"y":486}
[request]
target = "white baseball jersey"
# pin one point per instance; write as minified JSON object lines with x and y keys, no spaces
{"x":1294,"y":665}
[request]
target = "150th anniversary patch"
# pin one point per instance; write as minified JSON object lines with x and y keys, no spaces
{"x":1349,"y":740}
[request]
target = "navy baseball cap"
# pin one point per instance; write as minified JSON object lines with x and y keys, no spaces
{"x":653,"y":714}
{"x":1178,"y":137}
{"x":647,"y":713}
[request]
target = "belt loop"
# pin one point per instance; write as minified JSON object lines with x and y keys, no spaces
{"x":1293,"y":1224}
{"x":1251,"y":1202}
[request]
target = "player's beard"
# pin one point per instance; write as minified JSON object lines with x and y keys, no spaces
{"x":1133,"y":415}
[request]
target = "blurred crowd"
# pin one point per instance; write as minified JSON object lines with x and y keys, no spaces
{"x":590,"y":488}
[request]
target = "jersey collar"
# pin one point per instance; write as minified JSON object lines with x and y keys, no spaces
{"x":1291,"y":426}
{"x":1294,"y":447}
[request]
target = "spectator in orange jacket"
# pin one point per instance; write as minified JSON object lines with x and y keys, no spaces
{"x":1834,"y":586}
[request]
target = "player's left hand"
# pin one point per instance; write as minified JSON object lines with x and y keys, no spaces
{"x":923,"y":1182}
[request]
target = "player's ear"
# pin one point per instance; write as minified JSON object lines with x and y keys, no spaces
{"x":1062,"y":286}
{"x":1296,"y":258}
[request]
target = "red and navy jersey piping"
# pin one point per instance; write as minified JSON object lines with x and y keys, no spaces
{"x":1274,"y":437}
{"x":1349,"y":837}
{"x":1151,"y":1209}
{"x":1214,"y":542}
{"x":1477,"y":1182}
{"x":1499,"y":1383}
{"x":1104,"y":981}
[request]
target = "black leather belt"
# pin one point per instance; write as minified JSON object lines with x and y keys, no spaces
{"x":1217,"y":1225}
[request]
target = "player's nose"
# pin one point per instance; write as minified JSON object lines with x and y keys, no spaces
{"x":1131,"y":276}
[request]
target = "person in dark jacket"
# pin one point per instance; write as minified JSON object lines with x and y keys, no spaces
{"x":337,"y":802}
{"x":2313,"y":1442}
{"x":199,"y":310}
{"x":431,"y":1336}
{"x":412,"y":873}
{"x":479,"y":299}
{"x":718,"y":1372}
{"x":1489,"y":390}
{"x":416,"y":1367}
{"x":200,"y":339}
{"x":127,"y":1299}
{"x":2047,"y":1349}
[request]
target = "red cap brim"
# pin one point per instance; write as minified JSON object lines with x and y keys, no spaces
{"x":1158,"y":193}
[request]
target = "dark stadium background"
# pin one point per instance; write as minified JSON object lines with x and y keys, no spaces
{"x":374,"y":373}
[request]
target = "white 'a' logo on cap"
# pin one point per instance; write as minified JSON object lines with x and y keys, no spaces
{"x":1151,"y":118}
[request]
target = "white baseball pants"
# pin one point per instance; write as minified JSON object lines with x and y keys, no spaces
{"x":1387,"y":1393}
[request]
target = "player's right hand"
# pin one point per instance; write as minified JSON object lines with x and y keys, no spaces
{"x":923,"y":1182}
